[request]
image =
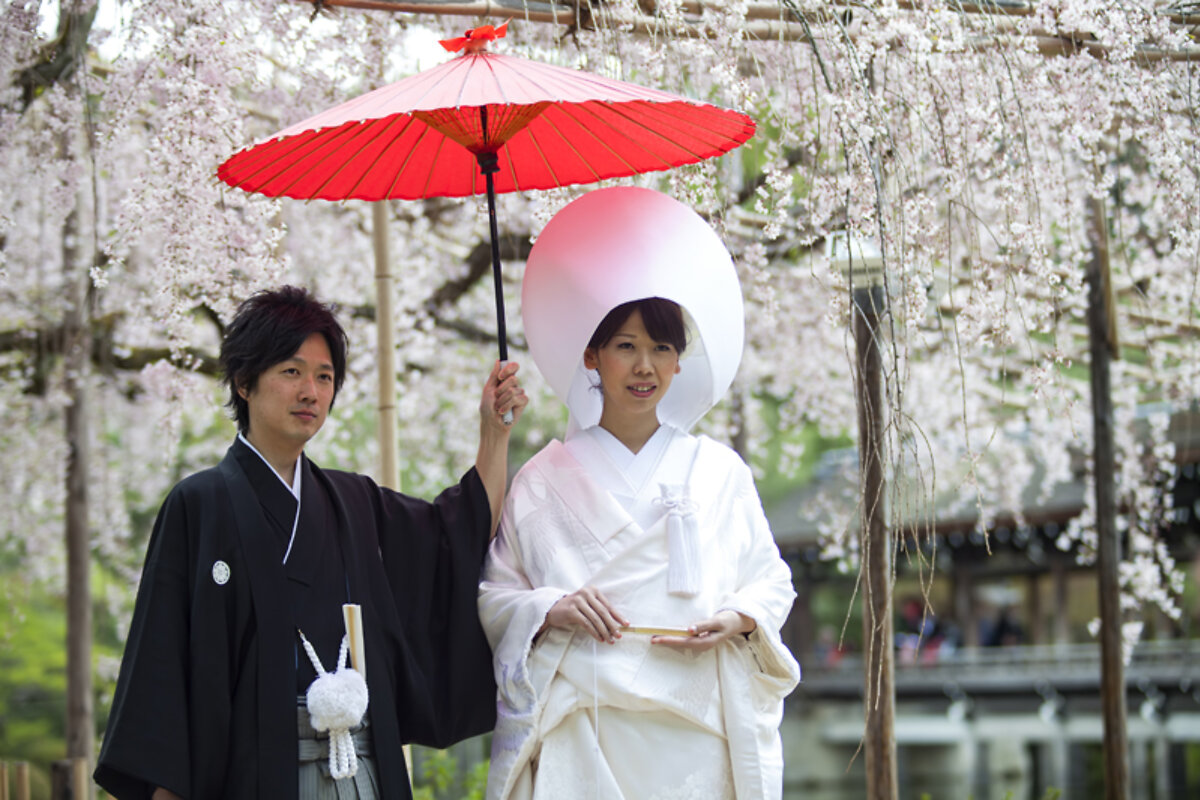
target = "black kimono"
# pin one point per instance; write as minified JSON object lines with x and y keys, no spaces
{"x":205,"y":704}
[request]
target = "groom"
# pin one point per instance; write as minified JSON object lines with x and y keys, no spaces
{"x":245,"y":555}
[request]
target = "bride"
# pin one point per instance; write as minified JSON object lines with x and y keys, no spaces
{"x":634,"y":594}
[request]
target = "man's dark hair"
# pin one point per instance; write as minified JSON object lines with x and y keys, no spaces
{"x":663,"y":320}
{"x":269,"y":328}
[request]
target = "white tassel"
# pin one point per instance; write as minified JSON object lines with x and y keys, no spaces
{"x":683,"y":541}
{"x":337,"y":702}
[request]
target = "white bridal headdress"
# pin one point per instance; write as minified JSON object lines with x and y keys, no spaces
{"x":625,"y":243}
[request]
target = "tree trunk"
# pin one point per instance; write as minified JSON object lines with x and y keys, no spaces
{"x":1112,"y":667}
{"x":80,"y":729}
{"x":879,"y":696}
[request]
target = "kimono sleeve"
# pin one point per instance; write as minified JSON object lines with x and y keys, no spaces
{"x":764,"y":581}
{"x":511,"y":608}
{"x":146,"y":743}
{"x":432,"y":554}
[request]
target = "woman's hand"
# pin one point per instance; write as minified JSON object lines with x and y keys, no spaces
{"x":589,"y":611}
{"x":709,"y":633}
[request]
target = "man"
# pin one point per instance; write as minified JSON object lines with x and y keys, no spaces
{"x":244,"y":556}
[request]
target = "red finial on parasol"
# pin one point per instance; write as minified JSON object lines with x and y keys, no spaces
{"x":475,"y":39}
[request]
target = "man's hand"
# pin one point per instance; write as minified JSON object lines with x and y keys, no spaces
{"x":709,"y":633}
{"x":588,"y":610}
{"x":502,"y":392}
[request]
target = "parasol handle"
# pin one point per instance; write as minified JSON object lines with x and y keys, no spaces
{"x":489,"y":164}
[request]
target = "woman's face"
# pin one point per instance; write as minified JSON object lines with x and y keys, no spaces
{"x":635,"y":371}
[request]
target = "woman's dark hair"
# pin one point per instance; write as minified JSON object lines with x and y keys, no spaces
{"x":663,"y":320}
{"x":269,"y":327}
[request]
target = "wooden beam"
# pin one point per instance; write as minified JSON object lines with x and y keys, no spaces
{"x":766,"y":21}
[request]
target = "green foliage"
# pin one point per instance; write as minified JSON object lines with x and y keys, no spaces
{"x":441,"y":777}
{"x":33,"y":676}
{"x":779,"y":476}
{"x":33,"y":680}
{"x":476,"y":784}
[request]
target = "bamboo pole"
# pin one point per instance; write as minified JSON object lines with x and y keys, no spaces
{"x":1112,"y":666}
{"x":385,"y":354}
{"x":389,"y":447}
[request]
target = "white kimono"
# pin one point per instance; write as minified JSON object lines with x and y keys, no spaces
{"x":632,"y":721}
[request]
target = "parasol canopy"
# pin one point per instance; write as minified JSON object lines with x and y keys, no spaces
{"x":421,"y":137}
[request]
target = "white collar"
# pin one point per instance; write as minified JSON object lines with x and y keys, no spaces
{"x":294,"y":488}
{"x":613,"y":465}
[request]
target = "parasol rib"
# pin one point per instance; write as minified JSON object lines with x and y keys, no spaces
{"x":359,"y":131}
{"x":262,"y":157}
{"x":649,"y":107}
{"x":387,"y":123}
{"x":383,"y":151}
{"x":391,"y":190}
{"x":325,"y":146}
{"x":294,"y":152}
{"x":512,"y":164}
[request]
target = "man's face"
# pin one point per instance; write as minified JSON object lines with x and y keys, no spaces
{"x":290,"y":400}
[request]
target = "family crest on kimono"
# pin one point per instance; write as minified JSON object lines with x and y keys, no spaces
{"x":634,"y":594}
{"x":247,"y":569}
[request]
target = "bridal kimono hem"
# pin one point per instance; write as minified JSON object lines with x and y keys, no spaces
{"x":560,"y":531}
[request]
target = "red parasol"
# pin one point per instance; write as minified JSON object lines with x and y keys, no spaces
{"x":485,"y":121}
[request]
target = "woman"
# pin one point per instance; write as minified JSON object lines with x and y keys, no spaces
{"x":634,"y":595}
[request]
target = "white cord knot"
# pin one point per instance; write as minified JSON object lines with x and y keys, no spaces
{"x":337,"y":702}
{"x":683,"y":540}
{"x":674,"y":501}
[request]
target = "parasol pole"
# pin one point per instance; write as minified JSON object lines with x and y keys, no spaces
{"x":489,"y":165}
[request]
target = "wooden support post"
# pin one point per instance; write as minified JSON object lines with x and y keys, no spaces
{"x":1033,"y":609}
{"x":1112,"y":667}
{"x":389,"y":469}
{"x":965,"y":608}
{"x":385,"y":355}
{"x":1062,"y":628}
{"x":800,"y":625}
{"x":21,"y":779}
{"x":81,"y":784}
{"x":70,"y":779}
{"x":60,"y":780}
{"x":3,"y":780}
{"x":879,"y":697}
